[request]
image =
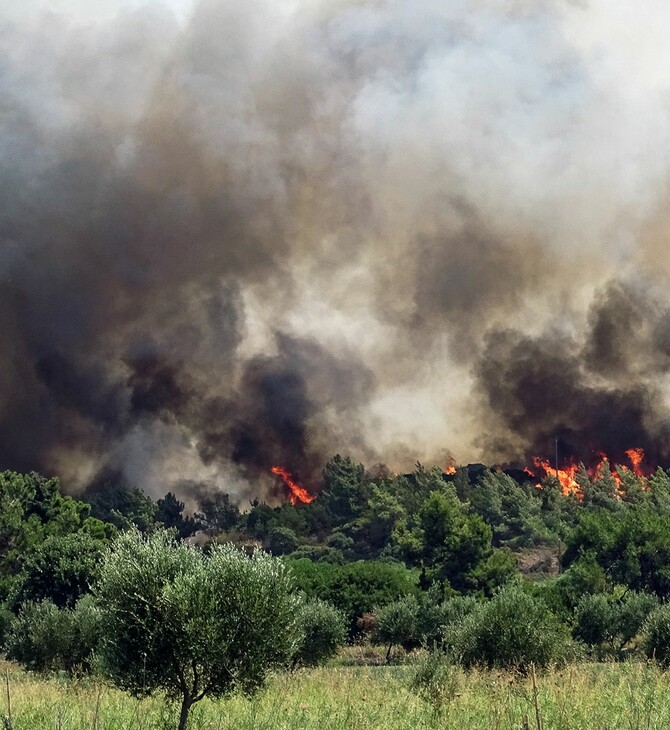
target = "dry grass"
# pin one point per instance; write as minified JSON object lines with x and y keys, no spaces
{"x":633,"y":696}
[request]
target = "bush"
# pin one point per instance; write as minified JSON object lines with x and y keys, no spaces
{"x":435,"y":680}
{"x":397,"y":624}
{"x":452,"y":615}
{"x":656,"y":636}
{"x":6,"y":620}
{"x":282,"y":541}
{"x":61,"y":570}
{"x":604,"y":619}
{"x":634,"y":611}
{"x":354,"y":588}
{"x":45,"y":638}
{"x":594,"y":619}
{"x":323,"y":632}
{"x":512,"y":630}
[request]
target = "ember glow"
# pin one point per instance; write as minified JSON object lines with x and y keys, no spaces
{"x":296,"y":492}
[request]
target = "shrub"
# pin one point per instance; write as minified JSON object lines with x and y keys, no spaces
{"x":437,"y":619}
{"x":354,"y":588}
{"x":634,"y":611}
{"x":323,"y":632}
{"x":594,"y":619}
{"x":512,"y":630}
{"x":656,"y":635}
{"x":45,"y":638}
{"x":396,"y":624}
{"x":605,"y":619}
{"x":61,"y":570}
{"x":6,"y":620}
{"x":435,"y":680}
{"x":282,"y":540}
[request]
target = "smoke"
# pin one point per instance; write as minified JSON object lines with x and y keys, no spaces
{"x":235,"y":235}
{"x":601,"y":395}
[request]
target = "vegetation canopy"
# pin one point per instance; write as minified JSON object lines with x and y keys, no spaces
{"x":189,"y":624}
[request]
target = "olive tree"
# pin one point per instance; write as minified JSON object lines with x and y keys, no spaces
{"x":191,"y":624}
{"x":323,"y":631}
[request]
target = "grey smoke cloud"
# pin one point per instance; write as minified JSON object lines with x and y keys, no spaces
{"x":238,"y":233}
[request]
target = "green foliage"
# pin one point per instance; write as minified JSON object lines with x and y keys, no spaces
{"x":346,"y":490}
{"x":632,"y":547}
{"x":191,"y":624}
{"x":436,"y":680}
{"x":282,"y":540}
{"x":60,"y":569}
{"x":323,"y":631}
{"x":396,"y":624}
{"x":455,"y":542}
{"x":32,"y":509}
{"x":373,"y":529}
{"x":170,"y":514}
{"x":512,"y":630}
{"x":121,"y":505}
{"x":656,"y":636}
{"x":634,"y":610}
{"x":45,"y":638}
{"x":594,"y":619}
{"x":612,"y":620}
{"x":6,"y":620}
{"x":498,"y":569}
{"x":562,"y":594}
{"x":601,"y":492}
{"x":217,"y":513}
{"x":512,"y":510}
{"x":354,"y":588}
{"x":258,"y":520}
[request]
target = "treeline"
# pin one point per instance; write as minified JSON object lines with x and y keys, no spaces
{"x":481,"y":567}
{"x":369,"y":536}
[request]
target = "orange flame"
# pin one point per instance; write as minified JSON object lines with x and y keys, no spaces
{"x":451,"y":469}
{"x":297,"y":493}
{"x":566,"y":476}
{"x":636,"y":457}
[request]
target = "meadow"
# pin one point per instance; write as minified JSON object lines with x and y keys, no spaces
{"x":342,"y":696}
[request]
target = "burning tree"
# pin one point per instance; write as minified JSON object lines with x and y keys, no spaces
{"x":193,"y":625}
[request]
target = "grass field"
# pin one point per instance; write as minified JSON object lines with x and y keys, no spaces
{"x":634,"y":696}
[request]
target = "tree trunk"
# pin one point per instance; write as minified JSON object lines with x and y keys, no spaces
{"x":183,"y":715}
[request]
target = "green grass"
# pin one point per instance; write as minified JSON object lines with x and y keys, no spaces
{"x":634,"y":696}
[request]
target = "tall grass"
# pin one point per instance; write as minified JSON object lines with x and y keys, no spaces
{"x":630,"y":696}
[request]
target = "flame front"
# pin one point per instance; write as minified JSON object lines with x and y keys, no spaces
{"x":296,"y":492}
{"x":566,"y":476}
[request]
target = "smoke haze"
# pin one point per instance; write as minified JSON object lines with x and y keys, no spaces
{"x":240,"y":234}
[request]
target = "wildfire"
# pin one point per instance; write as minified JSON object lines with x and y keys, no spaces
{"x":566,"y":476}
{"x":636,"y":456}
{"x":450,"y":468}
{"x":297,"y":493}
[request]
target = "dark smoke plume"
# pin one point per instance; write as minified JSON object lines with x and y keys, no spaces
{"x":240,"y":234}
{"x":603,"y":395}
